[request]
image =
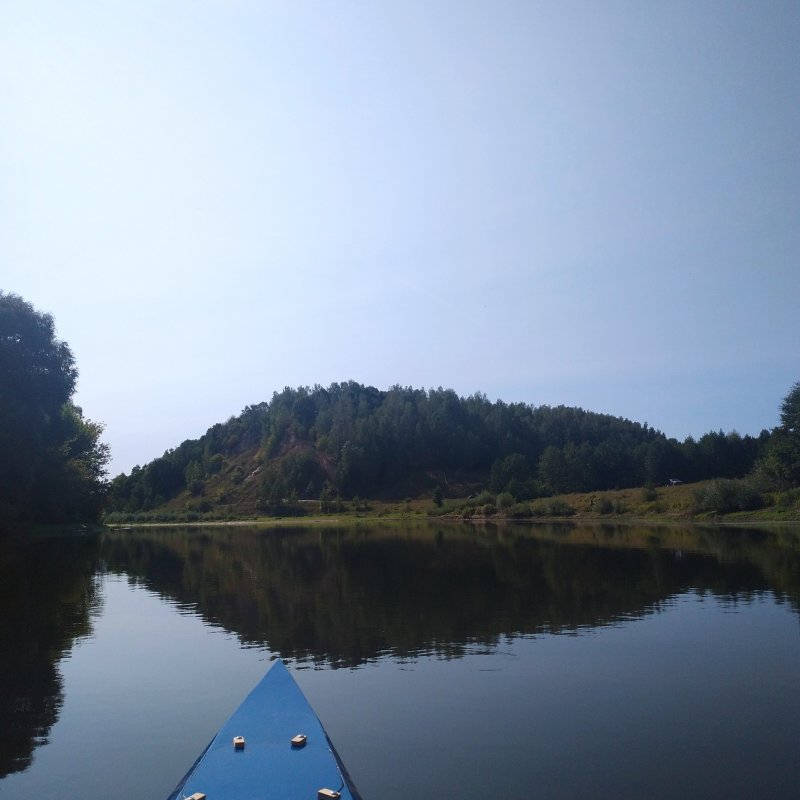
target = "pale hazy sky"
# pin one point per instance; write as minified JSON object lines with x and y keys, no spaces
{"x":589,"y":203}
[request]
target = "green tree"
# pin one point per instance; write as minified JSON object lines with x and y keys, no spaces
{"x":194,"y":477}
{"x":511,"y":474}
{"x":790,"y":411}
{"x":325,"y":499}
{"x":52,"y":463}
{"x":782,"y":461}
{"x":554,"y":470}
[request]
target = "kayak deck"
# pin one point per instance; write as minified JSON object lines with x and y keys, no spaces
{"x":269,"y":766}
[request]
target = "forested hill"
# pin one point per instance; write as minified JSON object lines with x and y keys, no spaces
{"x":354,"y":440}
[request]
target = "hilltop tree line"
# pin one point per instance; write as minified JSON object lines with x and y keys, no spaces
{"x":354,"y":440}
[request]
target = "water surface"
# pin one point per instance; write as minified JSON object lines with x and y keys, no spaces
{"x":563,"y":662}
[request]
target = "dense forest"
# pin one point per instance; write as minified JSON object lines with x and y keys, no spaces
{"x":353,"y":440}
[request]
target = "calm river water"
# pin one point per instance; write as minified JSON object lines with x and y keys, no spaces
{"x":545,"y":661}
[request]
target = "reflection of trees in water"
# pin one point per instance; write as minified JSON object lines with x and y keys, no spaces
{"x":350,"y":595}
{"x":47,"y":596}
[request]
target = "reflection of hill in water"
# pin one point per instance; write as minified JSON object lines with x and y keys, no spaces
{"x":349,"y":595}
{"x":47,"y":596}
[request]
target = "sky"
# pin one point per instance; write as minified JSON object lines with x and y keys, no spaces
{"x":584,"y":203}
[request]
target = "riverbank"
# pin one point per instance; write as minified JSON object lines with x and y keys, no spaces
{"x":659,"y":505}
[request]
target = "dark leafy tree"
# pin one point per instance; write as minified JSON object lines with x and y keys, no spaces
{"x":512,"y":474}
{"x":782,"y":460}
{"x":52,"y":463}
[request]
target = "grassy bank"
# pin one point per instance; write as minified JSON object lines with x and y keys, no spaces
{"x":707,"y":502}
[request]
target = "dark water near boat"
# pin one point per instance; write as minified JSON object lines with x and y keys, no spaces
{"x":552,"y":662}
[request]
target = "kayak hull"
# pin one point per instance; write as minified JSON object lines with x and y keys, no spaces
{"x":268,"y":765}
